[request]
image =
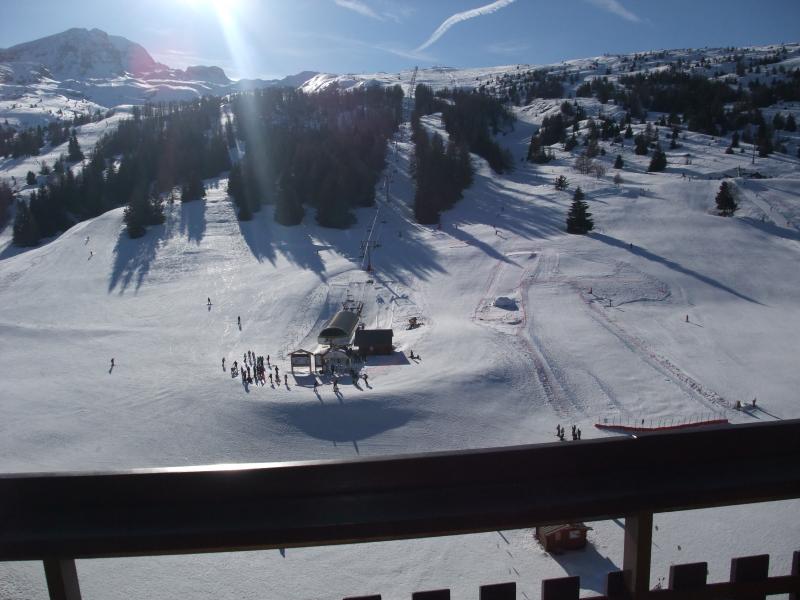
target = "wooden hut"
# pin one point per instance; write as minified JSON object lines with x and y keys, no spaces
{"x":557,"y":538}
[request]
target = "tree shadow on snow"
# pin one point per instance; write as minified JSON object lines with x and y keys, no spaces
{"x":193,"y":220}
{"x":342,"y":422}
{"x":132,"y":258}
{"x":589,"y":564}
{"x":639,"y":251}
{"x":255,"y":233}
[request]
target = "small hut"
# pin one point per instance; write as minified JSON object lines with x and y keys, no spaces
{"x":557,"y":538}
{"x":374,"y":341}
{"x":302,"y":358}
{"x":328,"y":359}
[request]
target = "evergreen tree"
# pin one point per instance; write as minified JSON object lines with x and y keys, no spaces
{"x":30,"y":178}
{"x":561,"y":183}
{"x":726,"y":204}
{"x":6,"y":198}
{"x":735,"y":140}
{"x":26,"y":230}
{"x":193,"y":189}
{"x":74,"y":153}
{"x":791,"y":124}
{"x":288,"y":209}
{"x":618,"y":162}
{"x":142,"y":211}
{"x":579,"y":219}
{"x":659,"y":161}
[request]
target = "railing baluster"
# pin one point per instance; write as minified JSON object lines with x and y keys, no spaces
{"x":688,"y":577}
{"x":499,"y":591}
{"x":636,"y":553}
{"x":62,"y":579}
{"x":750,"y":569}
{"x":795,"y":571}
{"x":615,"y":585}
{"x":563,"y":588}
{"x":431,"y":595}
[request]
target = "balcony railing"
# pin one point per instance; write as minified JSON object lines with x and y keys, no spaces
{"x":60,"y":517}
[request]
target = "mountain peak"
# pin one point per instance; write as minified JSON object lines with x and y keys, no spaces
{"x":80,"y":53}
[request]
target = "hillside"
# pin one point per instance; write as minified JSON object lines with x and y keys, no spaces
{"x":597,"y":329}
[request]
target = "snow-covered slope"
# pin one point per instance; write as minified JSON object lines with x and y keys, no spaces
{"x":599,"y":331}
{"x":664,"y":313}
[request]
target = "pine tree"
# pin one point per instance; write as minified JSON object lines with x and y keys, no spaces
{"x":619,"y":163}
{"x":288,"y":209}
{"x":726,"y":205}
{"x":6,"y":199}
{"x":193,"y":189}
{"x":26,"y":230}
{"x":579,"y":219}
{"x":791,"y":124}
{"x":30,"y":178}
{"x":74,"y":153}
{"x":561,"y":183}
{"x":659,"y":161}
{"x":142,"y":211}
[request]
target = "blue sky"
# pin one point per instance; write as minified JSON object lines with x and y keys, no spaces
{"x":273,"y":38}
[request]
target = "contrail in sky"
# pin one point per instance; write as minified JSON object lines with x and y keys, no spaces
{"x":463,"y":16}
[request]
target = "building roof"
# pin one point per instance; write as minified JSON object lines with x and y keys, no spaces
{"x":373,"y":337}
{"x":341,"y":325}
{"x":548,"y":529}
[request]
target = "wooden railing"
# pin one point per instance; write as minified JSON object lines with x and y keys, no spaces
{"x":59,"y":517}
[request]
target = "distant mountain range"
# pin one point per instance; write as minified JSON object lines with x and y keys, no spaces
{"x":105,"y":71}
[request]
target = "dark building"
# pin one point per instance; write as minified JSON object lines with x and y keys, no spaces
{"x":374,"y":341}
{"x":556,"y":538}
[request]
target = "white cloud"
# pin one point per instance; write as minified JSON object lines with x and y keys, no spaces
{"x":613,"y":6}
{"x":360,"y":8}
{"x":463,"y":16}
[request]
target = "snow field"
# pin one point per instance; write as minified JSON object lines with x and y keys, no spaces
{"x":486,"y":378}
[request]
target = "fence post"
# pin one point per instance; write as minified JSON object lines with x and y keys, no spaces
{"x":795,"y":571}
{"x":563,"y":588}
{"x":688,"y":577}
{"x":62,"y":579}
{"x":636,"y":553}
{"x":750,"y":569}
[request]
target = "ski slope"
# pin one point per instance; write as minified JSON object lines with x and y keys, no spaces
{"x":597,"y":329}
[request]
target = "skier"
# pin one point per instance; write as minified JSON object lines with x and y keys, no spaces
{"x":239,"y":320}
{"x":754,"y":398}
{"x":285,"y":380}
{"x":365,"y":378}
{"x":579,"y":433}
{"x":411,"y":354}
{"x":235,"y":365}
{"x":269,"y":365}
{"x":276,"y":373}
{"x":112,"y":366}
{"x":270,"y":378}
{"x":335,"y":387}
{"x":316,"y":385}
{"x":209,"y":301}
{"x":223,"y":363}
{"x":687,"y":318}
{"x":558,"y":430}
{"x":244,"y":358}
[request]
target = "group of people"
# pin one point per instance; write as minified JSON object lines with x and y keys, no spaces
{"x":576,"y":432}
{"x":256,"y":369}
